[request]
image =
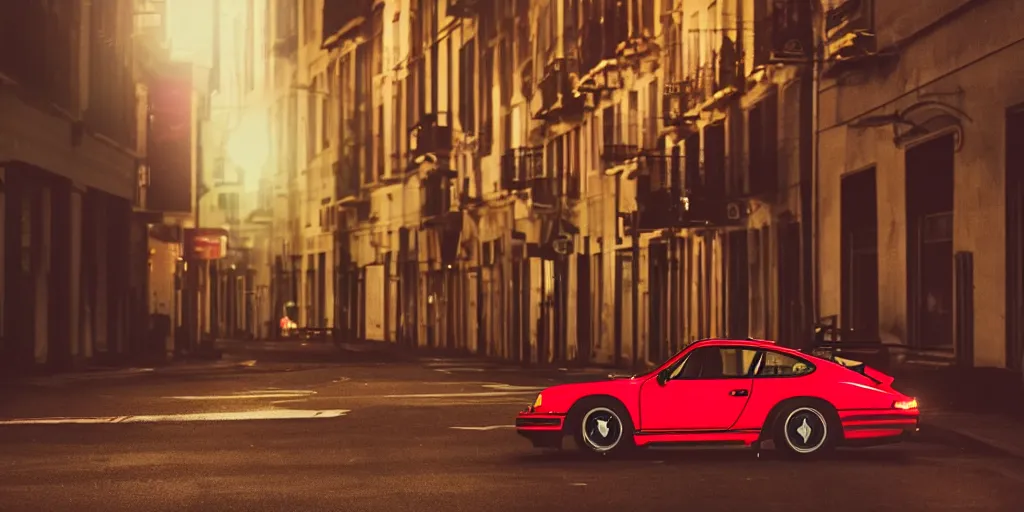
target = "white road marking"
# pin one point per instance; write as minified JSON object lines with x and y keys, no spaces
{"x":276,"y":414}
{"x":240,"y":397}
{"x":578,"y":484}
{"x":249,"y":395}
{"x":509,"y":387}
{"x":458,"y":369}
{"x":492,"y":427}
{"x":457,"y":395}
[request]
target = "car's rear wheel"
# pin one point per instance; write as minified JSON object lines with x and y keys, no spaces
{"x":805,"y":430}
{"x":603,"y":428}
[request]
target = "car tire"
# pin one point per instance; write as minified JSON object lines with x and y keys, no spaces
{"x":806,"y":430}
{"x":602,"y":428}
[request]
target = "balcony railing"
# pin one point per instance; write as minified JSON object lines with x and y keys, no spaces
{"x":618,"y":154}
{"x":544,"y":191}
{"x":464,"y":8}
{"x":666,"y":200}
{"x":343,"y":18}
{"x":435,"y":194}
{"x":519,"y":166}
{"x":556,"y":89}
{"x":679,"y":99}
{"x":431,"y":136}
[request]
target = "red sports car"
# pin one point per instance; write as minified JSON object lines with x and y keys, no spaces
{"x":732,"y":392}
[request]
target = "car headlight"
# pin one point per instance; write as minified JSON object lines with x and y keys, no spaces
{"x":537,"y":402}
{"x":906,"y":405}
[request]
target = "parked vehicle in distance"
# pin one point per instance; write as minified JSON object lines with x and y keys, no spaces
{"x":728,"y":392}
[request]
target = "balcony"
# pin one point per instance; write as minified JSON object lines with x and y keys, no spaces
{"x":789,"y":33}
{"x":640,"y":52}
{"x":618,"y":154}
{"x":665,"y":201}
{"x":343,"y":19}
{"x":544,"y":192}
{"x":849,"y":36}
{"x":678,"y":100}
{"x":346,"y":179}
{"x":602,"y":33}
{"x":464,"y":8}
{"x":430,"y":139}
{"x":435,"y":195}
{"x":519,"y":165}
{"x":556,"y":89}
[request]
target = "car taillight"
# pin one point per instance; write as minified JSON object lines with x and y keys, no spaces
{"x":905,"y":405}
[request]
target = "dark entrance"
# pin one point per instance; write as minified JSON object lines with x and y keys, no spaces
{"x":623,"y":302}
{"x":584,"y":299}
{"x":23,"y":203}
{"x":859,"y":219}
{"x":520,"y":317}
{"x":789,"y":275}
{"x":929,"y":197}
{"x":658,"y":314}
{"x":738,"y":292}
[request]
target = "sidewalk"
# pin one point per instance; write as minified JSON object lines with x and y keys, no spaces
{"x":983,"y":408}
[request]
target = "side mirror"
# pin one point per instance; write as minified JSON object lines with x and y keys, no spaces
{"x":662,"y":377}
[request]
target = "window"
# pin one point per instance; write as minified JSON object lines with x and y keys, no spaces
{"x":781,"y":365}
{"x":715,"y":363}
{"x":378,"y":42}
{"x":467,"y":95}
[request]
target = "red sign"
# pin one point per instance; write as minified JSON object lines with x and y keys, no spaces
{"x":206,"y":244}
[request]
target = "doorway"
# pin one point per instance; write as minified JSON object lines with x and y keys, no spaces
{"x":790,"y":310}
{"x":623,"y":303}
{"x":929,"y":196}
{"x":658,"y":315}
{"x":738,"y":292}
{"x":583,"y":307}
{"x":859,"y":219}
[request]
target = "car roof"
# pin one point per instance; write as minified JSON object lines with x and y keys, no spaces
{"x":749,"y":342}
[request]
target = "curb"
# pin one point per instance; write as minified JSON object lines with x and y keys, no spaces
{"x":933,"y":433}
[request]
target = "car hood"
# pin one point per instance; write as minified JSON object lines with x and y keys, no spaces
{"x":558,"y":399}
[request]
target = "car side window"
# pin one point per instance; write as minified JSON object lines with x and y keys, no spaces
{"x":776,"y":364}
{"x":716,"y":363}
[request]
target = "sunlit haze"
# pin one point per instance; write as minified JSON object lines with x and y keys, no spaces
{"x":190,"y":30}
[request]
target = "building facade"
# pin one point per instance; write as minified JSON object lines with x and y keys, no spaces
{"x":74,"y":270}
{"x":604,"y":181}
{"x":586,"y":181}
{"x":919,"y":223}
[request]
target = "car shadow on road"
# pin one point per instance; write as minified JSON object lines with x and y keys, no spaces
{"x":712,"y":456}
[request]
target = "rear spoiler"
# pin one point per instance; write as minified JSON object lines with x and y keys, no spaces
{"x":867,"y":357}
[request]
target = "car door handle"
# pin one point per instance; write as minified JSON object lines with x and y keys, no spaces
{"x":739,"y":392}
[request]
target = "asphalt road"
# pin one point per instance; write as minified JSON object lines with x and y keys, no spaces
{"x":430,"y":435}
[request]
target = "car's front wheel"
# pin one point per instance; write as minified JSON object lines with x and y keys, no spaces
{"x":805,"y":430}
{"x":603,"y":428}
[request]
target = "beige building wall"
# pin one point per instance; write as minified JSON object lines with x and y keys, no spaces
{"x":966,"y":68}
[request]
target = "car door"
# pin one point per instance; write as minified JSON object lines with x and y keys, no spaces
{"x":707,"y":390}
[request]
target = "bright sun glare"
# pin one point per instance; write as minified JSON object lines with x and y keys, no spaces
{"x":190,"y":30}
{"x":248,"y":144}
